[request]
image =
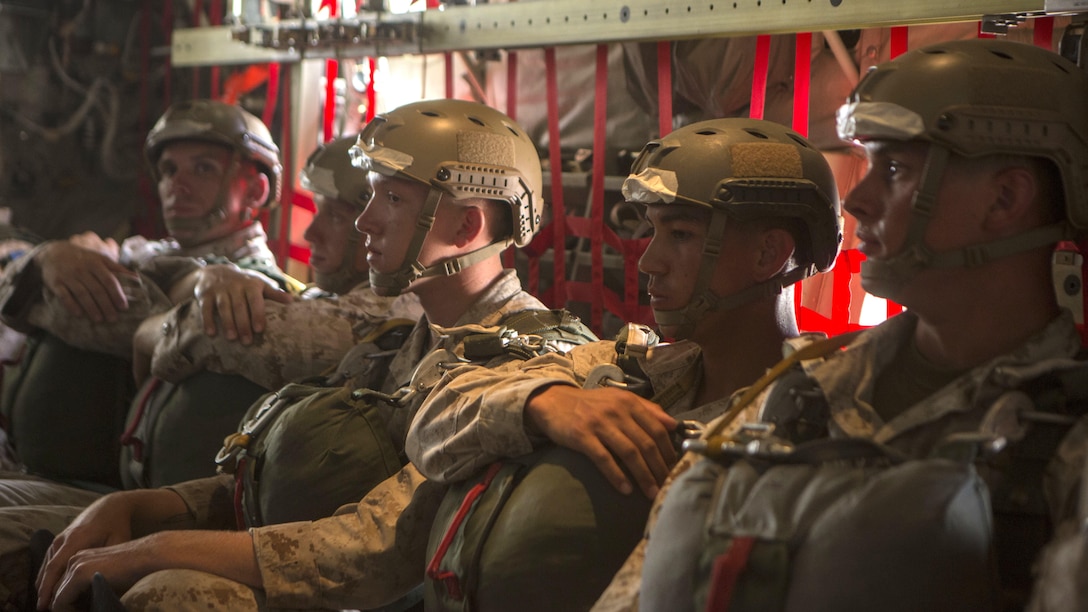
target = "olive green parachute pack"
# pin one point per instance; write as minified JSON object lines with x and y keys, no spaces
{"x":309,"y":448}
{"x":769,"y":523}
{"x":172,"y":428}
{"x":53,"y":438}
{"x":545,"y":531}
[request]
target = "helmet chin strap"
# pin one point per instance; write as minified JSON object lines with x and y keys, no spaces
{"x":887,"y":277}
{"x":394,"y":283}
{"x":704,"y":300}
{"x":686,"y":318}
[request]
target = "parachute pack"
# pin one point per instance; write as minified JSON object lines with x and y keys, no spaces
{"x":85,"y":450}
{"x":309,"y":448}
{"x":172,"y":429}
{"x":545,"y":531}
{"x":848,"y":524}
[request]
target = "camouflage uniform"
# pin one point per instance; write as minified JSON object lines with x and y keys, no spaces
{"x":476,"y":418}
{"x":29,"y":502}
{"x":300,"y":339}
{"x":48,"y":505}
{"x":847,"y":379}
{"x":365,"y":555}
{"x":26,"y":305}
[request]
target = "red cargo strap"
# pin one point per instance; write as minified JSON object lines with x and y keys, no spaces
{"x":128,"y":438}
{"x":664,"y":88}
{"x":899,"y":41}
{"x":802,"y":73}
{"x":434,"y":571}
{"x":371,"y":93}
{"x":596,"y":213}
{"x":759,"y":76}
{"x":271,"y":93}
{"x":239,"y":492}
{"x":727,"y":569}
{"x":1043,"y":33}
{"x":332,"y":69}
{"x":282,"y":242}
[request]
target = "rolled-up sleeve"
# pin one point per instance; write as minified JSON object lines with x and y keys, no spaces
{"x":300,"y":339}
{"x":476,"y":415}
{"x":210,"y":501}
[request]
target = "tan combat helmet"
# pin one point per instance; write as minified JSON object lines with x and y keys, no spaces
{"x":741,"y":169}
{"x":213,"y":121}
{"x":974,"y":98}
{"x":329,"y":172}
{"x":461,"y":150}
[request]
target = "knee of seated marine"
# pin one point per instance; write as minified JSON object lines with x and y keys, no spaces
{"x":181,"y":590}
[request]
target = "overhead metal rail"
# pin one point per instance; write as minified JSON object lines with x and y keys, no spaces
{"x":543,"y":23}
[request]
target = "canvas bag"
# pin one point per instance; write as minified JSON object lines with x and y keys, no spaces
{"x":308,"y":449}
{"x":831,"y":525}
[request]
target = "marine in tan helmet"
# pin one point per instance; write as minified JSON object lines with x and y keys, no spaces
{"x":471,"y":176}
{"x":296,"y":339}
{"x":83,"y":298}
{"x":215,"y":165}
{"x":740,"y":210}
{"x":977,"y":153}
{"x":341,"y":191}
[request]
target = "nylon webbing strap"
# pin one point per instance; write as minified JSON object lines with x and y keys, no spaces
{"x":664,"y":87}
{"x":239,"y":494}
{"x":328,"y":116}
{"x":272,"y":94}
{"x":403,"y":277}
{"x":812,"y":351}
{"x":371,"y":92}
{"x":899,"y":41}
{"x":677,"y":389}
{"x":287,"y":193}
{"x":129,"y":436}
{"x":596,"y":234}
{"x":759,"y":76}
{"x":332,"y":67}
{"x":977,"y":255}
{"x":802,"y":77}
{"x":1043,"y":32}
{"x":434,"y":569}
{"x":728,"y":567}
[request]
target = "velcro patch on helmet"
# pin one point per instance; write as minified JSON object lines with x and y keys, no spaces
{"x":758,"y":159}
{"x":486,"y":148}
